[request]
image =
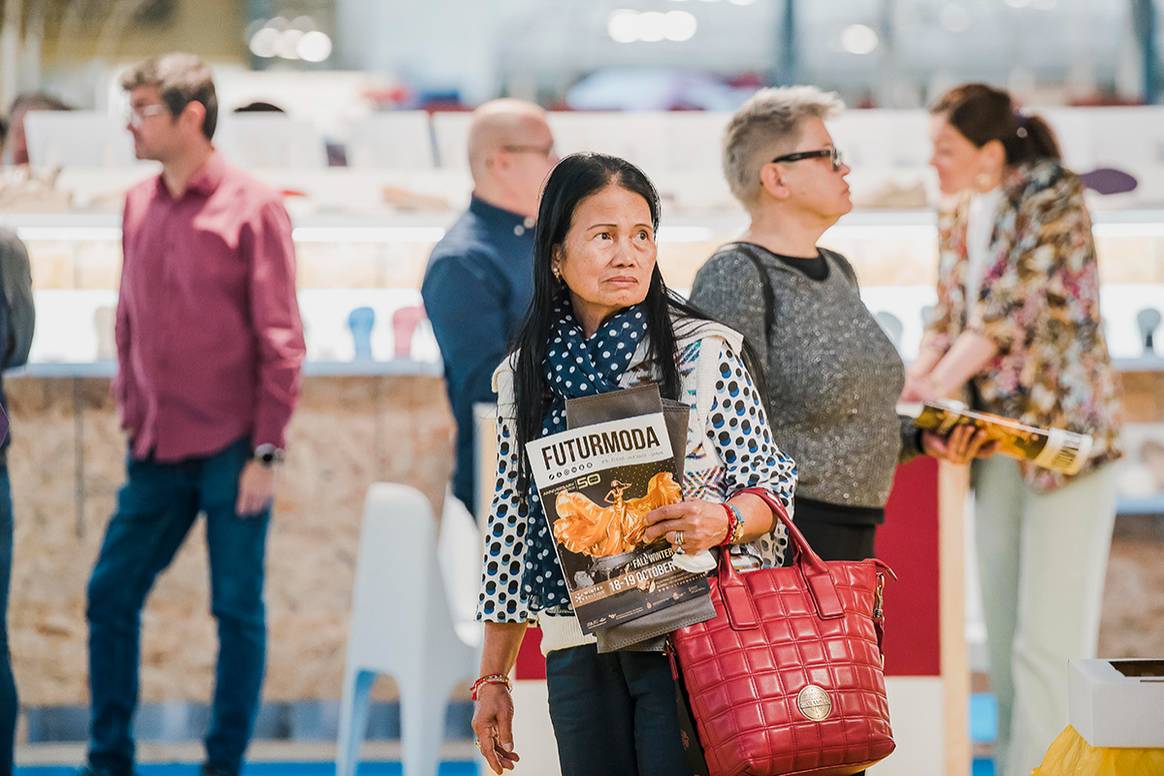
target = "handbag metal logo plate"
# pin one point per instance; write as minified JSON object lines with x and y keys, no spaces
{"x":814,"y":703}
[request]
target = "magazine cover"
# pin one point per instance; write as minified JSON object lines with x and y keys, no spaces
{"x":1051,"y":448}
{"x":597,"y":483}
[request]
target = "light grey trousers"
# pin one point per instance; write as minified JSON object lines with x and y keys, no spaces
{"x":1042,"y":558}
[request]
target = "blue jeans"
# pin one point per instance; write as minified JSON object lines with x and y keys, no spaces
{"x":155,"y":510}
{"x":9,"y":705}
{"x":615,"y":713}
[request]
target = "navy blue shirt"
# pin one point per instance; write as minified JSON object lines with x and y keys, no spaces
{"x":476,"y":290}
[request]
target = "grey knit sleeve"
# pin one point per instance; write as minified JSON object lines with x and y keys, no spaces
{"x":728,"y":289}
{"x":910,"y":440}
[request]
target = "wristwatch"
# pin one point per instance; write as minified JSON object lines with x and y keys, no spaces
{"x":268,"y":455}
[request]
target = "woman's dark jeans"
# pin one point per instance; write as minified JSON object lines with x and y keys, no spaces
{"x":614,"y":714}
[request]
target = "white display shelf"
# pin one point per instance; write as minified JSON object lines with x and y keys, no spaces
{"x":81,"y":335}
{"x":397,"y":367}
{"x":1141,"y":364}
{"x":1140,"y":505}
{"x":430,"y":226}
{"x":400,"y":367}
{"x":81,"y":330}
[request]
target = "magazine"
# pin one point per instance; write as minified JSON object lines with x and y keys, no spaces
{"x":1051,"y":448}
{"x":597,"y":483}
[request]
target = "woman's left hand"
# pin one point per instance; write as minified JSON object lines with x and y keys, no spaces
{"x":963,"y":445}
{"x":703,"y":525}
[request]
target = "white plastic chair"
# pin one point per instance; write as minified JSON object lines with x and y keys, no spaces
{"x":402,"y":623}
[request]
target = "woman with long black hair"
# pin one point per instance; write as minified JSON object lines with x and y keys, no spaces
{"x":602,"y":319}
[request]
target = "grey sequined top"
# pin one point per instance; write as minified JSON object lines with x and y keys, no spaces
{"x":833,"y":376}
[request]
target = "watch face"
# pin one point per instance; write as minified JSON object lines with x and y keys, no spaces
{"x":268,"y":455}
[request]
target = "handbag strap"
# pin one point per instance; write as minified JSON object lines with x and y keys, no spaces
{"x":820,"y":583}
{"x":815,"y":571}
{"x":804,"y":552}
{"x":879,"y":609}
{"x":766,"y":292}
{"x":737,"y":599}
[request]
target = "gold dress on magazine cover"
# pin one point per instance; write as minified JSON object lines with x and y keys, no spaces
{"x":589,"y":529}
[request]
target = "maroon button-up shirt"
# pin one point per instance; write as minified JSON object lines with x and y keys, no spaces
{"x":209,"y":340}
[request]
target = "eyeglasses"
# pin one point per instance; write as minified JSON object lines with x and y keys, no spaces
{"x":136,"y":115}
{"x":832,"y":154}
{"x":545,"y":151}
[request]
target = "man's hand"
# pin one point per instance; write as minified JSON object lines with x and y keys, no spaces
{"x":256,"y":489}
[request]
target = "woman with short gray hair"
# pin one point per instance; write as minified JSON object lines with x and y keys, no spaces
{"x":833,"y":376}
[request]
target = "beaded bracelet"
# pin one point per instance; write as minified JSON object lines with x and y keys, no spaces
{"x":738,"y":536}
{"x":735,"y":529}
{"x":489,"y":679}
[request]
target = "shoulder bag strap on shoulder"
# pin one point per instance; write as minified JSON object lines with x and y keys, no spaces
{"x":844,"y":264}
{"x":765,"y":283}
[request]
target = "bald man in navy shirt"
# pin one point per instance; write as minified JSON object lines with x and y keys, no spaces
{"x":479,"y":279}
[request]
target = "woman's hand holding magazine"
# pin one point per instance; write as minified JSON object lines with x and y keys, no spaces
{"x":700,"y":524}
{"x":960,"y":446}
{"x":1057,"y":449}
{"x":963,"y":444}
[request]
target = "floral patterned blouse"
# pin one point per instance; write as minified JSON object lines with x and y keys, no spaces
{"x":1039,"y":303}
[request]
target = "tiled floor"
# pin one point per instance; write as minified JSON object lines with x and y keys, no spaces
{"x":310,"y":759}
{"x":981,"y":768}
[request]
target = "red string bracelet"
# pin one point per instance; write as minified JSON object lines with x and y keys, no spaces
{"x":733,"y":522}
{"x":489,"y":679}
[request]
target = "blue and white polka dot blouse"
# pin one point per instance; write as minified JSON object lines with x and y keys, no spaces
{"x":729,"y":448}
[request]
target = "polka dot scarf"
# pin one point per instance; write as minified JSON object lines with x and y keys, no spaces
{"x":574,"y":366}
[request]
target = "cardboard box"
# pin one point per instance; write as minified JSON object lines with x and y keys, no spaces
{"x":1118,"y":703}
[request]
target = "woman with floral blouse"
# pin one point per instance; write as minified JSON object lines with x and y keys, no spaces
{"x":1018,"y":324}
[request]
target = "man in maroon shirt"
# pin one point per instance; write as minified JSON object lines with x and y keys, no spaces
{"x":209,"y":348}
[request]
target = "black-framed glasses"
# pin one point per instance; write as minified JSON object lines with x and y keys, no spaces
{"x":832,"y":154}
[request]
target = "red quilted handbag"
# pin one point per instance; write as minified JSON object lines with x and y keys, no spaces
{"x":787,"y":679}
